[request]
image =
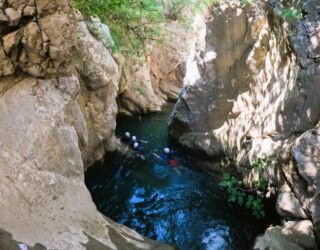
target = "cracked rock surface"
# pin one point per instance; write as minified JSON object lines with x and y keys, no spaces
{"x":37,"y":37}
{"x":57,"y":109}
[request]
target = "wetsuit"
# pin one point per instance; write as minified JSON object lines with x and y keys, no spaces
{"x":138,"y":150}
{"x":166,"y":156}
{"x":125,"y":139}
{"x":133,"y":142}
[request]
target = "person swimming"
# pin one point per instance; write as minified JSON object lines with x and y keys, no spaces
{"x":139,"y":150}
{"x":166,"y":155}
{"x":126,"y":138}
{"x":133,"y":140}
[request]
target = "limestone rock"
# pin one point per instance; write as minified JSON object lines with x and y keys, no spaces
{"x":148,"y":82}
{"x":43,"y":197}
{"x":99,"y":76}
{"x":3,"y":17}
{"x":29,"y":11}
{"x":13,"y":16}
{"x":6,"y":65}
{"x":101,"y":31}
{"x":11,"y":41}
{"x":292,"y":235}
{"x":167,"y":62}
{"x":306,"y":152}
{"x":288,"y":205}
{"x":55,"y":121}
{"x":52,"y":32}
{"x":136,"y":93}
{"x":17,"y":4}
{"x":230,"y":85}
{"x":95,"y":61}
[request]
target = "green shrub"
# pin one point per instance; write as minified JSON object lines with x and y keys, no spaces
{"x":250,"y":198}
{"x":291,"y":14}
{"x":132,"y":23}
{"x":246,"y":2}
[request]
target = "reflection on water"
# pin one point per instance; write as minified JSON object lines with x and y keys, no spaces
{"x":180,"y":206}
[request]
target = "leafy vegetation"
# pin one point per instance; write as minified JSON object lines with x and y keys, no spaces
{"x":252,"y":199}
{"x":136,"y":23}
{"x":132,"y":23}
{"x":291,"y":14}
{"x":246,"y":2}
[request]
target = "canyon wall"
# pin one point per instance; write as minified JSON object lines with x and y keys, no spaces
{"x":252,"y":91}
{"x":58,"y":88}
{"x":149,"y":82}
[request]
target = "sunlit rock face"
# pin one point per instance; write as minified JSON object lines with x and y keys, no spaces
{"x":251,"y":90}
{"x":291,"y":235}
{"x":58,"y":88}
{"x":249,"y":87}
{"x":239,"y":78}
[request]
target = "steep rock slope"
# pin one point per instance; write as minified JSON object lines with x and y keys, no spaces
{"x":54,"y":122}
{"x":148,"y":82}
{"x":251,"y":89}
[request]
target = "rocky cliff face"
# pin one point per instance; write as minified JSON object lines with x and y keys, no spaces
{"x":240,"y":65}
{"x":137,"y":95}
{"x":149,"y":82}
{"x":56,"y":119}
{"x":251,"y":90}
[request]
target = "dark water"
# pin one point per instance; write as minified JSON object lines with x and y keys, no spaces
{"x":181,"y":206}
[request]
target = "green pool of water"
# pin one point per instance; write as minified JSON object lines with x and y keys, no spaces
{"x":182,"y":206}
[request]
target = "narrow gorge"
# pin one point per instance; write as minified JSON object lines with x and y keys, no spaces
{"x":244,"y":77}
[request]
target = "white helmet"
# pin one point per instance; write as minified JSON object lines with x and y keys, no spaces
{"x":134,"y":138}
{"x":127,"y":134}
{"x":136,"y":145}
{"x":166,"y":150}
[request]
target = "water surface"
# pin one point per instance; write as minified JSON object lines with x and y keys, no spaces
{"x":181,"y":206}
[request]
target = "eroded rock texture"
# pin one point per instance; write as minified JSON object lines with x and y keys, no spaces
{"x":149,"y":82}
{"x":167,"y":62}
{"x":252,"y":90}
{"x":56,"y":119}
{"x":291,"y":235}
{"x":238,"y":79}
{"x":137,"y":95}
{"x":37,"y":37}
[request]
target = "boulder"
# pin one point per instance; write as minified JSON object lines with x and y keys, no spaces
{"x":293,"y":235}
{"x":11,"y":41}
{"x":29,"y":11}
{"x":101,"y":31}
{"x":288,"y":205}
{"x":13,"y":16}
